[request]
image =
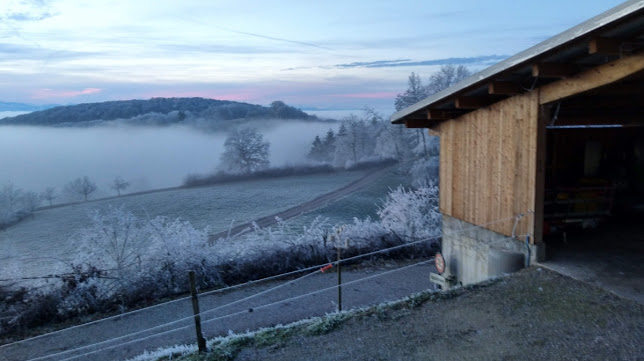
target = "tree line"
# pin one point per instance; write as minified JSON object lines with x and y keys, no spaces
{"x":360,"y":138}
{"x":17,"y":204}
{"x":158,"y":111}
{"x":369,"y":136}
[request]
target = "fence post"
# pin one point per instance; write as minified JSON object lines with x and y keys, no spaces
{"x":339,"y":279}
{"x":201,"y":341}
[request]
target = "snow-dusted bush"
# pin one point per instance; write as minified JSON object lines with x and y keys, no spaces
{"x":363,"y":231}
{"x":115,"y":240}
{"x":156,"y":254}
{"x":16,"y":204}
{"x":176,"y":248}
{"x":412,"y":214}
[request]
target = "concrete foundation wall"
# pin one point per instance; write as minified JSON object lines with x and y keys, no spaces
{"x":474,"y":254}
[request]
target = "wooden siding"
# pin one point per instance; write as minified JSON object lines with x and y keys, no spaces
{"x":488,"y":164}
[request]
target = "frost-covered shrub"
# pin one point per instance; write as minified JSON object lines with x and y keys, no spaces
{"x":363,"y":230}
{"x":176,"y":248}
{"x":412,"y":214}
{"x":115,"y":240}
{"x":149,"y":257}
{"x":82,"y":290}
{"x":273,"y":250}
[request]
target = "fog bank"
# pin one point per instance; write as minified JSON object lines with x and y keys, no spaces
{"x":34,"y":158}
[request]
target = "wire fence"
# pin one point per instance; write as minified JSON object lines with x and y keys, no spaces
{"x":158,"y":329}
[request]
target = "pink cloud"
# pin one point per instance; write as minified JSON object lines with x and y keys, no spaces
{"x":46,"y":93}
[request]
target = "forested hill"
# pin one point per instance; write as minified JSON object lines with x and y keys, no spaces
{"x":156,"y":111}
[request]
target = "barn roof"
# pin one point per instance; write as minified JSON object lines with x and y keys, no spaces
{"x":604,"y":38}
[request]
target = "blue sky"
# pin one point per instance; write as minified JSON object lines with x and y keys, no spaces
{"x":331,"y":55}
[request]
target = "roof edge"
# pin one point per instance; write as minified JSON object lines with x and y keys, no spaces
{"x":572,"y":34}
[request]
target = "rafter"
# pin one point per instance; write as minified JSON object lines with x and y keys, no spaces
{"x":435,"y":114}
{"x":472,"y":102}
{"x":504,"y":88}
{"x":594,"y":78}
{"x":605,"y":46}
{"x":417,"y":123}
{"x":553,"y":70}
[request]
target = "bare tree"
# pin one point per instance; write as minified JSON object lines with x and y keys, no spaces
{"x":447,"y":76}
{"x":415,"y":92}
{"x":83,"y":186}
{"x":10,"y":197}
{"x":245,"y":151}
{"x":9,"y":200}
{"x":30,"y":201}
{"x":119,"y":184}
{"x":49,"y":194}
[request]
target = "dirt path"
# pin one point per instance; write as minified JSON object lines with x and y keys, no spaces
{"x":390,"y":286}
{"x":304,"y":207}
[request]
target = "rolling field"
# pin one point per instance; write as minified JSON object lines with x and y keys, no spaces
{"x":360,"y":204}
{"x":43,"y":244}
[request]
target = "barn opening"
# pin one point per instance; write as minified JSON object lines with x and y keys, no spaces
{"x":594,"y":187}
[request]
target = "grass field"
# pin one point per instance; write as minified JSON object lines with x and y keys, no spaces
{"x":360,"y":204}
{"x":41,"y":245}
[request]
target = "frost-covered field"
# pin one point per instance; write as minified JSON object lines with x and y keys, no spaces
{"x":42,"y":245}
{"x":361,"y":204}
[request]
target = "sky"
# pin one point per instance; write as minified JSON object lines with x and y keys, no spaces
{"x":336,"y":54}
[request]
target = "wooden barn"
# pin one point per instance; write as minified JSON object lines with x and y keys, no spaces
{"x":548,"y":141}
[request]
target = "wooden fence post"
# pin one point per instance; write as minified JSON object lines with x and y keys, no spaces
{"x":339,"y":279}
{"x":201,"y":341}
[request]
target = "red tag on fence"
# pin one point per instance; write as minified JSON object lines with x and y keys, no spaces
{"x":326,"y":268}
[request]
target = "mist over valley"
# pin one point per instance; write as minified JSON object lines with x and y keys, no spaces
{"x":148,"y":157}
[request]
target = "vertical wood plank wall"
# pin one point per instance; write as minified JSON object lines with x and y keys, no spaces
{"x":488,"y":164}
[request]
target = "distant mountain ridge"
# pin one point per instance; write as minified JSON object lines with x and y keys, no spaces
{"x":12,"y":107}
{"x":155,"y":111}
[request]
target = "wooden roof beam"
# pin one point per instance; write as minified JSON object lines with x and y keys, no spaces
{"x":553,"y":70}
{"x":605,"y":46}
{"x":472,"y":102}
{"x":417,"y":123}
{"x":504,"y":88}
{"x":596,"y":120}
{"x":436,"y":114}
{"x":593,"y":78}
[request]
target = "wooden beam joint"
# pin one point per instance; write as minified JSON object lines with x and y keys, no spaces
{"x":417,"y":123}
{"x":554,"y":70}
{"x":472,"y":102}
{"x":436,"y":114}
{"x":504,"y":88}
{"x":605,"y":46}
{"x":593,"y":78}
